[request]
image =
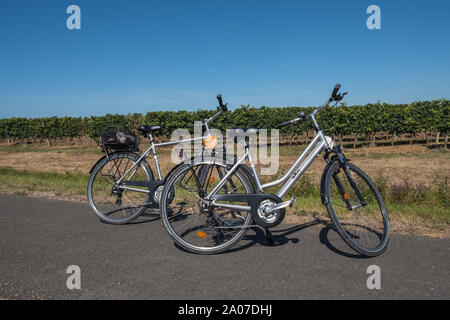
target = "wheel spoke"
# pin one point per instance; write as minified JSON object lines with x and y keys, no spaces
{"x":111,"y":203}
{"x":192,"y":221}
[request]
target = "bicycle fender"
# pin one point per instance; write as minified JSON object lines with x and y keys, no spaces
{"x":323,"y":186}
{"x":171,"y":170}
{"x":176,"y":167}
{"x":247,"y":171}
{"x":98,"y":161}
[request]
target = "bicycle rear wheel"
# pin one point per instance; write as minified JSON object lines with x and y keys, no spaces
{"x":192,"y":223}
{"x":110,"y":202}
{"x":363,"y":225}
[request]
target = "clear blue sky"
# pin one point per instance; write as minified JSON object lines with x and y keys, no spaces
{"x":139,"y":56}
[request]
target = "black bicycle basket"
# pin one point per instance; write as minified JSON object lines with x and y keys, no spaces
{"x":119,"y":139}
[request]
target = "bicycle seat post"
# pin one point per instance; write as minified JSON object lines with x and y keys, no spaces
{"x":155,"y":155}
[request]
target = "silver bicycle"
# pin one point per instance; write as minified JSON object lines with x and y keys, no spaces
{"x":208,"y":216}
{"x":122,"y":184}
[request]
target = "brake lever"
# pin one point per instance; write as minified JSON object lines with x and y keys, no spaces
{"x":339,"y":97}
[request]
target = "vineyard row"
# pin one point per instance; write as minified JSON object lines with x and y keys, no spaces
{"x":362,"y":122}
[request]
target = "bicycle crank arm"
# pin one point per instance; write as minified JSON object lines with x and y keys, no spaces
{"x":254,"y":200}
{"x":282,"y":205}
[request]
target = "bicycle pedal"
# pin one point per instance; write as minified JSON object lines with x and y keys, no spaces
{"x":292,"y":202}
{"x":357,"y":206}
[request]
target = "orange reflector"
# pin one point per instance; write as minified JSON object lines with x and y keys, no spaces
{"x":211,"y":180}
{"x":201,"y":234}
{"x":210,"y":142}
{"x":346,"y":196}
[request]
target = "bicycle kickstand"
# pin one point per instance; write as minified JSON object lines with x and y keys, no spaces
{"x":269,"y":236}
{"x":119,"y":200}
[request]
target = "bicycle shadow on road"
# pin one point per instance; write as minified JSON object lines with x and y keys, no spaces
{"x":147,"y":216}
{"x":281,"y":237}
{"x":324,"y":237}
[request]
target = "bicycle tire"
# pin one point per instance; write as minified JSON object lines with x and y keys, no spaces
{"x":170,"y":184}
{"x":138,"y":208}
{"x":343,"y":227}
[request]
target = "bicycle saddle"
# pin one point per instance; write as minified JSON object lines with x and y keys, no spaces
{"x":248,"y":130}
{"x":244,"y":133}
{"x":146,"y":129}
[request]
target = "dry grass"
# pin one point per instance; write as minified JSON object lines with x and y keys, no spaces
{"x":63,"y":159}
{"x":417,"y":164}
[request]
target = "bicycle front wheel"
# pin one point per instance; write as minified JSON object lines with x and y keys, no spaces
{"x":192,"y":222}
{"x":357,"y":209}
{"x":119,"y":203}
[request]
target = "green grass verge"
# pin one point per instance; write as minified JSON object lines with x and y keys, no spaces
{"x":433,"y":207}
{"x":405,"y":199}
{"x":62,"y":184}
{"x":435,"y":216}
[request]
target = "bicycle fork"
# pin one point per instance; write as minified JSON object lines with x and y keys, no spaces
{"x":345,"y":196}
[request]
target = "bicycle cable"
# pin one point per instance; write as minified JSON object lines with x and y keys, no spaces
{"x":334,"y":122}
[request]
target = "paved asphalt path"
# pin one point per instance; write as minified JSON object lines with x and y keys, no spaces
{"x":40,"y":238}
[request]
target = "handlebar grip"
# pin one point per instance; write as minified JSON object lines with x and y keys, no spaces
{"x":222,"y":106}
{"x":219,"y":98}
{"x":193,"y":126}
{"x":284,"y":124}
{"x":335,"y":90}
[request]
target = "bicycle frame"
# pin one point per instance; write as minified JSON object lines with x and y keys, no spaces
{"x":152,"y":149}
{"x":314,"y":148}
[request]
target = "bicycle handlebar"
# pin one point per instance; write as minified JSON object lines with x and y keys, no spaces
{"x":301,"y":117}
{"x":286,"y":123}
{"x":334,"y":97}
{"x":221,"y":108}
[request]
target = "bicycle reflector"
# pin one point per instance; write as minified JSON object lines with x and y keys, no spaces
{"x":210,"y":142}
{"x":211,"y":180}
{"x":201,"y":234}
{"x":346,"y":196}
